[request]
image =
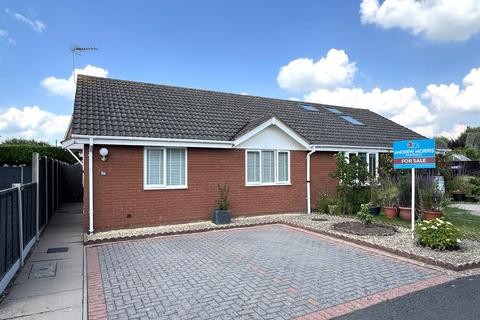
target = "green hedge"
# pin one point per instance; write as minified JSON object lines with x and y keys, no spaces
{"x":22,"y":154}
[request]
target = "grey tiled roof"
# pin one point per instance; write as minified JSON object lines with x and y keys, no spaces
{"x":109,"y":107}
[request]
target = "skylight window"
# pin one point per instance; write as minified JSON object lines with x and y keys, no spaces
{"x":352,"y":120}
{"x":333,"y":110}
{"x":309,"y":107}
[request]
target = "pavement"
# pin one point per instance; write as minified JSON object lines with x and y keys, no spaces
{"x":50,"y":285}
{"x":458,"y":299}
{"x":263,"y":272}
{"x":473,"y":208}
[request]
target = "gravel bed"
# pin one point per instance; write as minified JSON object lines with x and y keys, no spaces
{"x":359,"y":229}
{"x":400,"y":242}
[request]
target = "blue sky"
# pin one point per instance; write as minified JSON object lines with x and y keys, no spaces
{"x":387,"y":57}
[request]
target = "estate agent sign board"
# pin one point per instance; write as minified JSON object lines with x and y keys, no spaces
{"x":414,"y":154}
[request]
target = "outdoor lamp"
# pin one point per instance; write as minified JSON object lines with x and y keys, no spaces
{"x":104,"y":153}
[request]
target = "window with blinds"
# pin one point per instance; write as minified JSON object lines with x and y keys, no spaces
{"x":267,"y":167}
{"x":165,"y":168}
{"x":253,"y":167}
{"x":283,"y":167}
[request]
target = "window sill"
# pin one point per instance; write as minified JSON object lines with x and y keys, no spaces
{"x":268,"y":184}
{"x":165,"y":188}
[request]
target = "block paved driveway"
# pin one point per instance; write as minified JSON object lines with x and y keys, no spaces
{"x":265,"y":272}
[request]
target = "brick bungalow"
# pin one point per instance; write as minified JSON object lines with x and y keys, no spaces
{"x":169,"y":148}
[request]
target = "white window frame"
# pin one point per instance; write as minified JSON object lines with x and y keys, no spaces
{"x":276,"y":182}
{"x":377,"y":155}
{"x":163,"y":186}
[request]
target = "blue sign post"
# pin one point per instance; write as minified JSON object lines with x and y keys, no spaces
{"x":414,"y":154}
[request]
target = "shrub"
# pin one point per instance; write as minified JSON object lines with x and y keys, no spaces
{"x":375,"y":195}
{"x":22,"y":154}
{"x":322,"y":202}
{"x":460,"y":184}
{"x":222,"y":201}
{"x":364,"y":215}
{"x":388,"y":192}
{"x":352,"y":177}
{"x":431,"y":198}
{"x":437,"y":234}
{"x":404,"y":191}
{"x":385,"y":165}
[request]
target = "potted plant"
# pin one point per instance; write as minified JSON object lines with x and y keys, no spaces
{"x":404,"y":198}
{"x":389,"y":195}
{"x":221,"y":215}
{"x":458,"y":185}
{"x":374,"y":206}
{"x":432,"y":201}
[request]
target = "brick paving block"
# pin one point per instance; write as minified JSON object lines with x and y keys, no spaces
{"x":265,"y":272}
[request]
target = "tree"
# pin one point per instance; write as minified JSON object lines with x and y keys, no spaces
{"x":442,"y":142}
{"x":352,"y":179}
{"x":460,"y":142}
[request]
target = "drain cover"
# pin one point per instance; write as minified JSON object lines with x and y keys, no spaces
{"x":46,"y":269}
{"x":57,"y":250}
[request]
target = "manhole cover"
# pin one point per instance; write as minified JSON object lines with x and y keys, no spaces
{"x":46,"y":269}
{"x":57,"y":250}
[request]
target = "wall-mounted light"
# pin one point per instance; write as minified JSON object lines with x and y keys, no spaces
{"x":104,"y":153}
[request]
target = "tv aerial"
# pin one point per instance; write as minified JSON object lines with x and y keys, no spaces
{"x":77,"y":50}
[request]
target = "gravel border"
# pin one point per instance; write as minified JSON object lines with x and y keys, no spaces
{"x":400,"y":243}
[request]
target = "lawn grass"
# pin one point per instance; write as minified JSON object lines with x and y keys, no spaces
{"x":468,"y":224}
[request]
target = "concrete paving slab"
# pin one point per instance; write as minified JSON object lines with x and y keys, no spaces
{"x":60,"y":294}
{"x":64,"y":269}
{"x":473,"y":208}
{"x":43,"y":305}
{"x":35,"y":287}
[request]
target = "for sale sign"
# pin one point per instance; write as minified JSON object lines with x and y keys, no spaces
{"x":414,"y":154}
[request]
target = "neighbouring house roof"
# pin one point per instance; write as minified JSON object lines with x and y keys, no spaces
{"x":460,"y":157}
{"x":110,"y":107}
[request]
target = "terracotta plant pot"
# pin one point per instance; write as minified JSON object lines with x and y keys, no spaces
{"x":405,"y":213}
{"x":390,"y":212}
{"x":430,"y":215}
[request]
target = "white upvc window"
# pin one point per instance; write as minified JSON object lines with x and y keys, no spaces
{"x":370,"y":158}
{"x":165,"y":168}
{"x":267,"y":167}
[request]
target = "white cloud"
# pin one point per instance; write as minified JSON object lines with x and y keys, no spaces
{"x":454,"y":98}
{"x":330,"y":71}
{"x":441,"y":109}
{"x":66,"y":87}
{"x":32,"y":122}
{"x":440,"y":20}
{"x":37,"y":25}
{"x":4,"y":34}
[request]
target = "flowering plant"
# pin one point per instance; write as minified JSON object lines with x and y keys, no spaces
{"x":437,"y":234}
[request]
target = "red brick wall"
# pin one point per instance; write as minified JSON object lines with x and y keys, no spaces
{"x":121,"y":192}
{"x":322,"y":164}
